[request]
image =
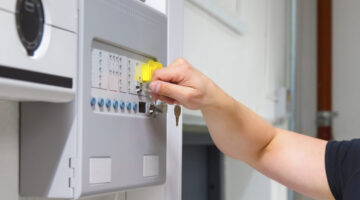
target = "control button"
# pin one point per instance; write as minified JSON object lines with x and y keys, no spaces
{"x":122,"y":105}
{"x":108,"y":103}
{"x":115,"y":104}
{"x":93,"y":101}
{"x":135,"y":107}
{"x":128,"y":106}
{"x":101,"y":102}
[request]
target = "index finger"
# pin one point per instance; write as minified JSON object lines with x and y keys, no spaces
{"x":173,"y":73}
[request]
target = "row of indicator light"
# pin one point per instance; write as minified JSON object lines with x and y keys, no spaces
{"x":101,"y":102}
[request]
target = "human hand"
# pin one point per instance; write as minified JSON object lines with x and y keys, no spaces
{"x":181,"y":83}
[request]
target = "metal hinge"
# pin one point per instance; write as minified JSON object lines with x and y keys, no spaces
{"x":72,"y":166}
{"x":325,"y":118}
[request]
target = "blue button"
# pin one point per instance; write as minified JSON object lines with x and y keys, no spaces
{"x":135,"y":106}
{"x":93,"y":101}
{"x":115,"y":104}
{"x":101,"y":102}
{"x":128,"y":106}
{"x":108,"y":103}
{"x":122,"y":105}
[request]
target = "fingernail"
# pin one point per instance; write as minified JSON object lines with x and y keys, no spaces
{"x":154,"y":86}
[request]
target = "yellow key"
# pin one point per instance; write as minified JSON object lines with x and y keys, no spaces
{"x":145,"y":72}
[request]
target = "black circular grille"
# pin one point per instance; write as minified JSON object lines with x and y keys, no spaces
{"x":30,"y":23}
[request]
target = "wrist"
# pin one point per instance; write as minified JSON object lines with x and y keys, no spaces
{"x":218,"y":100}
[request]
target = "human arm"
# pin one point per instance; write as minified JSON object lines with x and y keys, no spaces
{"x":292,"y":159}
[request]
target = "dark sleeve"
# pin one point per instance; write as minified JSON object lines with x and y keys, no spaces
{"x":342,"y":161}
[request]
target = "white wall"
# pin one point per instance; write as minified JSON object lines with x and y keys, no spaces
{"x":249,"y":67}
{"x":237,"y":63}
{"x":306,"y":90}
{"x":346,"y":68}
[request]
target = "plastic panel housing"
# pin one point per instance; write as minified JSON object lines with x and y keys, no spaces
{"x":62,"y":145}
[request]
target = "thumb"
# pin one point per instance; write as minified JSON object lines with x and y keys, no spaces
{"x":176,"y":92}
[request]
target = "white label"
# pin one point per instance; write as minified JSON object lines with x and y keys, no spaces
{"x":100,"y":71}
{"x":151,"y":166}
{"x":100,"y":170}
{"x":123,"y":74}
{"x":114,"y":70}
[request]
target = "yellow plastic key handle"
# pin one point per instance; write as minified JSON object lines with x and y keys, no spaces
{"x":145,"y":73}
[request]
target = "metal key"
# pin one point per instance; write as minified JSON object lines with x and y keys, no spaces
{"x":177,"y":112}
{"x":161,"y":107}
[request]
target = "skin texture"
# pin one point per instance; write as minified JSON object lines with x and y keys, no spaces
{"x":292,"y":159}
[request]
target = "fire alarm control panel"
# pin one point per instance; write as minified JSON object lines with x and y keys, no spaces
{"x":38,"y":51}
{"x":113,"y":135}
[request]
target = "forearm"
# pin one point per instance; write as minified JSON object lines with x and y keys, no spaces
{"x":290,"y":158}
{"x":236,"y":130}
